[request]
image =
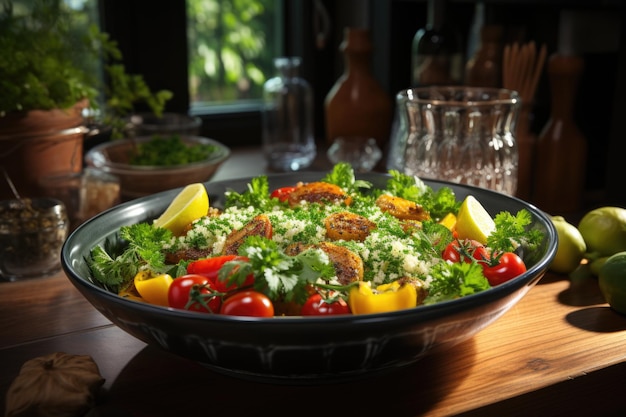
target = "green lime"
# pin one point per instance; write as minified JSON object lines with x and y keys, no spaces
{"x":604,"y":230}
{"x":612,"y":280}
{"x":571,"y":247}
{"x":596,"y":264}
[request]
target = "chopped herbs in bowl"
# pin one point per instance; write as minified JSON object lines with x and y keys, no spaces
{"x":171,"y":151}
{"x":149,"y":164}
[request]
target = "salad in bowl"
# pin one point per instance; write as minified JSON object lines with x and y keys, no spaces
{"x":334,"y":246}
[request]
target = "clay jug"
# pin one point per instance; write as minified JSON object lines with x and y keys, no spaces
{"x":39,"y":143}
{"x":561,"y":152}
{"x":357,"y":105}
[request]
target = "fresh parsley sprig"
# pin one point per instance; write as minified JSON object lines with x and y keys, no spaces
{"x":116,"y":267}
{"x":511,"y":231}
{"x":257,"y":195}
{"x":277,"y":274}
{"x":437,"y":203}
{"x":454,"y":280}
{"x":342,"y":175}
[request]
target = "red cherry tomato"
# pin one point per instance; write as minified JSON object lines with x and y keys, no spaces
{"x":465,"y":250}
{"x":282,"y":193}
{"x":210,"y":268}
{"x":248,"y":303}
{"x":317,"y":306}
{"x":503,"y":268}
{"x":195,"y":293}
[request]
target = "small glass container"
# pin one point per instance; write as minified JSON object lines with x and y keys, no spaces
{"x":361,"y":152}
{"x":84,"y":194}
{"x":32,"y":232}
{"x":288,"y":141}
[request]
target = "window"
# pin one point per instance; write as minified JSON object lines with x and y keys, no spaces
{"x":153,"y":38}
{"x":232,"y":45}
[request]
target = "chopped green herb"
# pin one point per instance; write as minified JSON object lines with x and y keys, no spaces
{"x":342,"y":175}
{"x":454,"y":280}
{"x":511,"y":231}
{"x":170,"y":151}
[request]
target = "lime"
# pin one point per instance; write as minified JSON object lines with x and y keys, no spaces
{"x":604,"y":230}
{"x":596,"y":264}
{"x":612,"y":280}
{"x":473,"y":221}
{"x":571,"y":247}
{"x":188,"y":205}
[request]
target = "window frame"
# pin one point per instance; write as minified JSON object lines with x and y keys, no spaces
{"x":137,"y":27}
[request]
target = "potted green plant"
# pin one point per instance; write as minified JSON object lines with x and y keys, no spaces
{"x":50,"y":75}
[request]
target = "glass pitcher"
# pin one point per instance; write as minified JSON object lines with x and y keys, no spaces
{"x":459,"y":134}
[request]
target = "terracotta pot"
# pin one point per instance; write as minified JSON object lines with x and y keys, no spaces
{"x":38,"y":143}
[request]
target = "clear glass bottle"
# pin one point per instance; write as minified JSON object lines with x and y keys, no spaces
{"x":437,"y":54}
{"x":288,"y":140}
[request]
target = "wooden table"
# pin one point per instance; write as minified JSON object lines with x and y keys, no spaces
{"x":560,"y":351}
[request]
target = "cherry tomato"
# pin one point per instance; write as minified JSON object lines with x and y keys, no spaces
{"x":195,"y":293}
{"x":248,"y":303}
{"x":317,"y":306}
{"x":503,"y":268}
{"x":282,"y":193}
{"x":210,"y":268}
{"x":465,"y":250}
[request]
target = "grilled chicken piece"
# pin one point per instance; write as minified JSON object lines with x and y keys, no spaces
{"x":318,"y":192}
{"x":401,"y":208}
{"x":348,"y":265}
{"x":410,"y":226}
{"x":348,"y":226}
{"x":187,"y":254}
{"x":259,"y":226}
{"x":295,"y":248}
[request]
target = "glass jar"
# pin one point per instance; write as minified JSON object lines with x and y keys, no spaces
{"x":288,"y":141}
{"x":32,"y":233}
{"x":459,"y":134}
{"x":84,"y":194}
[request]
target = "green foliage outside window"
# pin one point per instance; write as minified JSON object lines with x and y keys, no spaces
{"x":232,"y":45}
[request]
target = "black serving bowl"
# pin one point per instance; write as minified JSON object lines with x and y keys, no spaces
{"x":301,"y":349}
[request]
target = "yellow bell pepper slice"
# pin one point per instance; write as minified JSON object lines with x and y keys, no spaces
{"x":153,"y":289}
{"x":363,"y":299}
{"x":449,"y":221}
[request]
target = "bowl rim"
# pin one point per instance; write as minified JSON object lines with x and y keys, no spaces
{"x":417,"y":314}
{"x":97,"y":157}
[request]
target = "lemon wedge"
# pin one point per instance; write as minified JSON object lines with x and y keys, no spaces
{"x":473,"y":221}
{"x":190,"y":204}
